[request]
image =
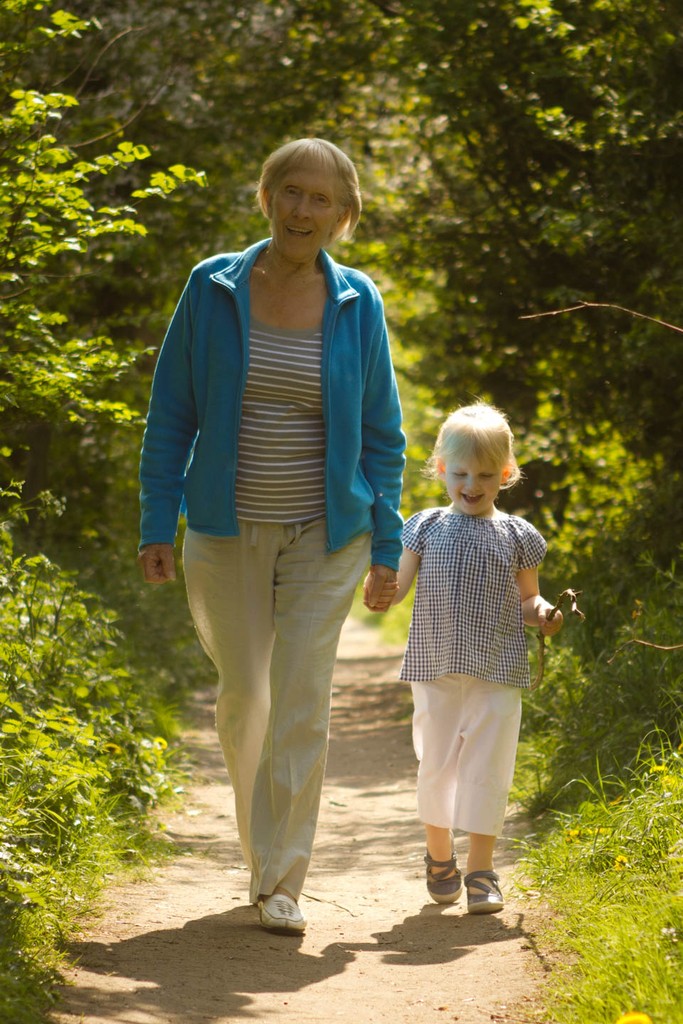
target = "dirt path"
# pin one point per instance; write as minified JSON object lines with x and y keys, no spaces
{"x":185,"y":947}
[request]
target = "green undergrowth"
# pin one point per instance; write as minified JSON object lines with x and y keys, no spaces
{"x":86,"y":750}
{"x":612,"y":871}
{"x":600,"y":770}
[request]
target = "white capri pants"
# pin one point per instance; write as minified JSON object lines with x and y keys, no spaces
{"x":465,"y":733}
{"x":268,"y":607}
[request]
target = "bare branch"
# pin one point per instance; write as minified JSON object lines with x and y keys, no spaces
{"x":390,"y":10}
{"x":603,"y":305}
{"x":645,"y":643}
{"x":113,"y":132}
{"x":107,"y":46}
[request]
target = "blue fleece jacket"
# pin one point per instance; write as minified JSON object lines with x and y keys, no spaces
{"x":189,"y":451}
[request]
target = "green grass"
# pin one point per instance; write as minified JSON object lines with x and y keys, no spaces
{"x":34,"y":928}
{"x":612,"y":872}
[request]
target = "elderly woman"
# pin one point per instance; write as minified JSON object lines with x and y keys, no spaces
{"x":274,"y":425}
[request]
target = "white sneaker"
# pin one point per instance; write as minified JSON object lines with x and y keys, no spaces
{"x":280,"y":913}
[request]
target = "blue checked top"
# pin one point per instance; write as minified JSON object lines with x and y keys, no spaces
{"x":467,"y":615}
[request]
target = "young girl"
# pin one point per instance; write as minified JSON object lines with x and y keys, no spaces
{"x":466,"y":658}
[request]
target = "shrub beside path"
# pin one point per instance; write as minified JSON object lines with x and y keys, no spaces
{"x":185,"y":947}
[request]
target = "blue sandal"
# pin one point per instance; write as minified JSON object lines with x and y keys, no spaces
{"x":489,"y":899}
{"x":444,"y":885}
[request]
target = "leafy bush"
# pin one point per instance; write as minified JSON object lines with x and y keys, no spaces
{"x":603,"y":698}
{"x":80,"y":762}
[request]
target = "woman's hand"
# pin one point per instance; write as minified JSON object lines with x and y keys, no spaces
{"x":379,"y":588}
{"x":158,"y":563}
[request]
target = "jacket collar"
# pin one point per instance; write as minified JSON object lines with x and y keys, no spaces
{"x":235,"y":273}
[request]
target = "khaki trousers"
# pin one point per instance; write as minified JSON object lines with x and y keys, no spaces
{"x":268,"y":607}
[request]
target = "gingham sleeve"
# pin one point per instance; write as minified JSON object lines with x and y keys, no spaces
{"x":415,"y":529}
{"x":531,"y":546}
{"x":411,"y":533}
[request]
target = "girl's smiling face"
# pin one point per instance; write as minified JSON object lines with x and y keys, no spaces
{"x":472,"y":485}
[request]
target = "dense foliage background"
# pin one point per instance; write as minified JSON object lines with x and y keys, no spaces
{"x":517,"y":159}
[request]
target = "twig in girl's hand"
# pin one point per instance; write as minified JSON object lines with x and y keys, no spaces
{"x":566,"y":595}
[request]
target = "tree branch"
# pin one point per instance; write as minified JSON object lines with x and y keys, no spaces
{"x":390,"y":10}
{"x":603,"y":305}
{"x":644,"y":643}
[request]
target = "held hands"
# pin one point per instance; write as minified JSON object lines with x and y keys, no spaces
{"x":158,"y":563}
{"x":379,"y":588}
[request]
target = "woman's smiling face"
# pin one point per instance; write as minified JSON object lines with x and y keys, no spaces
{"x":472,"y":485}
{"x":304,"y":213}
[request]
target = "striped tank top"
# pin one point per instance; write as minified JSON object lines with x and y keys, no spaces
{"x":281,"y":463}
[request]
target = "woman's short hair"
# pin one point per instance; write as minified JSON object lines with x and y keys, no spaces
{"x":478,"y":431}
{"x":321,"y":155}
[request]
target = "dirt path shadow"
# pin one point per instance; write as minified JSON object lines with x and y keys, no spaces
{"x":185,"y":946}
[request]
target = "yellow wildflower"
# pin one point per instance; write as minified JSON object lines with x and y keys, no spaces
{"x":620,"y":862}
{"x":112,"y":748}
{"x":634,"y":1017}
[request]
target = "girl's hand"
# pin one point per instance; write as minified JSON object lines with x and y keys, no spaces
{"x":546,"y":626}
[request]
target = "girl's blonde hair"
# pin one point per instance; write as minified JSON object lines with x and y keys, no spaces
{"x":321,"y":155}
{"x":480,"y":432}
